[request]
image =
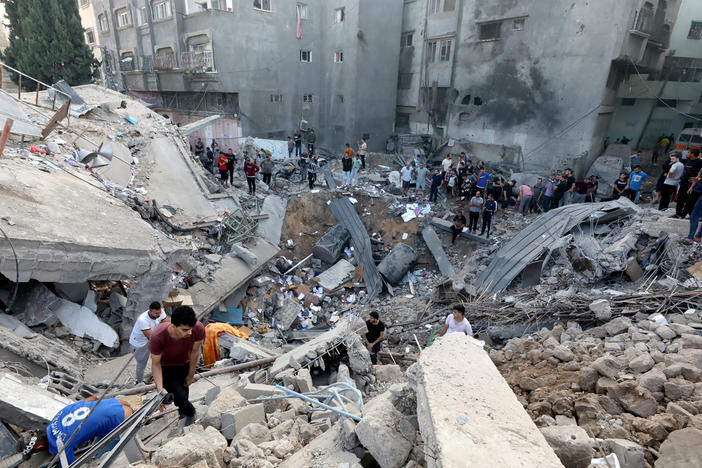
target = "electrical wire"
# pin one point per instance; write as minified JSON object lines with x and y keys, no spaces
{"x":14,"y":293}
{"x":565,"y":130}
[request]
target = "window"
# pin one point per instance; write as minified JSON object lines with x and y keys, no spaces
{"x":160,"y":9}
{"x":628,"y":102}
{"x":449,"y":5}
{"x":165,"y":59}
{"x":477,"y":101}
{"x":90,"y":36}
{"x":466,"y":100}
{"x":276,"y":98}
{"x":490,"y":31}
{"x":264,"y":5}
{"x":434,"y":6}
{"x":304,"y":13}
{"x":338,"y":57}
{"x":127,"y":61}
{"x":445,"y":51}
{"x":124,"y":17}
{"x":404,"y":81}
{"x":219,"y":5}
{"x":439,"y":50}
{"x":431,"y":51}
{"x":518,"y":24}
{"x":307,"y":98}
{"x":103,"y":23}
{"x":84,"y":3}
{"x":406,"y":39}
{"x":463,"y":116}
{"x":402,"y":120}
{"x":695,"y":30}
{"x":340,"y":98}
{"x":339,"y":15}
{"x":305,"y":56}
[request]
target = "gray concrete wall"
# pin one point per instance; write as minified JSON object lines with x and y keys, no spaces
{"x":539,"y":86}
{"x":257,"y":55}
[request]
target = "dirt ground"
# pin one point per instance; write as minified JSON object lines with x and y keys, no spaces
{"x":309,"y":214}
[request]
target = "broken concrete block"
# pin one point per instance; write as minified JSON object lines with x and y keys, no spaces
{"x":385,"y":432}
{"x":227,"y":400}
{"x":681,"y":449}
{"x":117,"y":301}
{"x":286,"y":315}
{"x":244,"y":254}
{"x":633,"y":269}
{"x":325,"y":450}
{"x":74,"y":292}
{"x":254,"y":432}
{"x":330,"y":247}
{"x":28,"y":406}
{"x":629,"y":454}
{"x":602,"y":309}
{"x":388,"y":373}
{"x":395,"y":265}
{"x":348,"y":432}
{"x":339,"y":274}
{"x":234,"y":421}
{"x":571,"y":444}
{"x":90,"y":301}
{"x":303,"y":381}
{"x":359,"y":356}
{"x":196,"y":446}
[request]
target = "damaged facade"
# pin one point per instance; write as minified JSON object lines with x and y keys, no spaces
{"x":245,"y":61}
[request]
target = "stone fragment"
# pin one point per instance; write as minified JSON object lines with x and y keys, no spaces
{"x":303,"y":380}
{"x":563,"y":354}
{"x":348,"y":432}
{"x":359,"y":357}
{"x":633,"y":269}
{"x":688,"y":371}
{"x":388,"y":373}
{"x":196,"y":446}
{"x":653,"y":380}
{"x":665,"y":332}
{"x":280,"y":448}
{"x":527,"y":383}
{"x":571,"y":444}
{"x":607,"y":366}
{"x":602,"y":309}
{"x":633,"y":398}
{"x":629,"y":454}
{"x":617,"y":326}
{"x":385,"y":432}
{"x":641,"y":363}
{"x":235,"y":420}
{"x":255,"y":432}
{"x":678,"y":389}
{"x":650,"y":427}
{"x":692,"y":341}
{"x":226,"y":400}
{"x":681,"y":449}
{"x":587,"y":378}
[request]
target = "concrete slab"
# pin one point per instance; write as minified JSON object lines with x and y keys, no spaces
{"x":437,"y":250}
{"x":466,"y":410}
{"x":27,"y":406}
{"x":271,"y":228}
{"x":339,"y":274}
{"x":68,"y":229}
{"x":233,"y":272}
{"x":285,"y":316}
{"x":101,"y":375}
{"x":316,"y":345}
{"x":241,"y":350}
{"x":42,"y":351}
{"x":325,"y":450}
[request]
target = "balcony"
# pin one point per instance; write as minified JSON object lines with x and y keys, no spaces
{"x":165,"y":61}
{"x":198,"y":61}
{"x":127,"y":64}
{"x":643,"y":21}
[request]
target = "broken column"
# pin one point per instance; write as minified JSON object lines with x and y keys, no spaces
{"x":395,"y":264}
{"x":467,"y":412}
{"x":331,"y":245}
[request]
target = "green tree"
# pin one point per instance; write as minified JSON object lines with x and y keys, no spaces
{"x":47,"y":42}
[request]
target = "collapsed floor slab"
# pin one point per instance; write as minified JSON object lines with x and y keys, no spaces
{"x":27,"y":406}
{"x":531,"y":244}
{"x":467,"y":411}
{"x":232,"y":273}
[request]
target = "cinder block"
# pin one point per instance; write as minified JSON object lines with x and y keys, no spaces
{"x":235,"y":420}
{"x":303,"y":381}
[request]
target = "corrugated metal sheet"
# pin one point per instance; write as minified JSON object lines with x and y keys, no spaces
{"x":346,"y":216}
{"x":532,"y":242}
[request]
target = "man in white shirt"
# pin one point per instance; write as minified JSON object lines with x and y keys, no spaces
{"x":363,"y":151}
{"x":141,"y":334}
{"x":406,"y":173}
{"x":457,"y":322}
{"x":672,"y":181}
{"x":447,"y":163}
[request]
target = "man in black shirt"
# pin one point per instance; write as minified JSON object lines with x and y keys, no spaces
{"x":459,"y":222}
{"x":620,"y":185}
{"x":376,"y":332}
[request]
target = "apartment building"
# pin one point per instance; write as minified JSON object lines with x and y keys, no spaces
{"x":266,"y":65}
{"x":92,"y":38}
{"x":654,"y":103}
{"x":529,"y":84}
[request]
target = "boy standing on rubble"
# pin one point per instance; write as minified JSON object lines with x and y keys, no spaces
{"x":231,"y":164}
{"x":436,"y":180}
{"x":141,"y":333}
{"x":222,"y":163}
{"x":376,"y":332}
{"x":422,"y":173}
{"x":456,"y":322}
{"x":474,"y":208}
{"x":489,"y":210}
{"x":250,"y":169}
{"x":175,"y":352}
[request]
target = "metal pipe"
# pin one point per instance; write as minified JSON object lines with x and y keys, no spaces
{"x":315,"y":402}
{"x":223,"y":370}
{"x":298,"y":264}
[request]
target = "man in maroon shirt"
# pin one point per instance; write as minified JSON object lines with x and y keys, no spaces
{"x":175,"y":351}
